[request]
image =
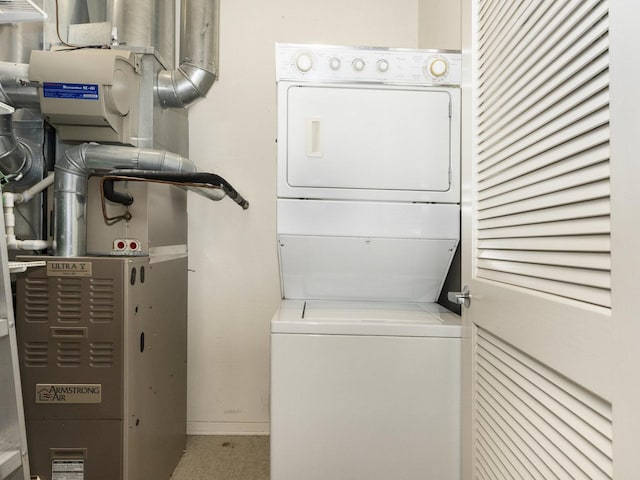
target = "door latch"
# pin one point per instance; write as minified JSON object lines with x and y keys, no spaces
{"x":460,"y":298}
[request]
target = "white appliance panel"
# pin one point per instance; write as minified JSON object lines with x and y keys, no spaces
{"x":397,"y":319}
{"x":368,"y":219}
{"x":398,"y":66}
{"x":364,"y":268}
{"x":365,"y":407}
{"x":368,"y":138}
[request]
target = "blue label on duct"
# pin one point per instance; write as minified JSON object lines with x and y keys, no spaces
{"x":75,"y":91}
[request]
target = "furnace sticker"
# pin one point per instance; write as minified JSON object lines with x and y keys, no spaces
{"x":69,"y":393}
{"x":68,"y":269}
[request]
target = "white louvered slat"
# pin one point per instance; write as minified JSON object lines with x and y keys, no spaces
{"x":537,"y":51}
{"x":583,"y":293}
{"x":593,"y":422}
{"x":578,"y":194}
{"x":583,"y":71}
{"x":494,"y":451}
{"x":559,"y":183}
{"x":583,"y":456}
{"x":511,"y":22}
{"x":508,"y":435}
{"x":518,"y":413}
{"x":497,"y":22}
{"x":581,"y":226}
{"x":592,"y":243}
{"x":491,"y":412}
{"x":535,"y":415}
{"x":591,"y":208}
{"x":574,"y":276}
{"x":588,"y":145}
{"x":481,"y":472}
{"x":524,"y":177}
{"x":591,"y":260}
{"x":579,"y":127}
{"x":503,"y":442}
{"x":537,"y":125}
{"x":548,"y":51}
{"x":496,"y":58}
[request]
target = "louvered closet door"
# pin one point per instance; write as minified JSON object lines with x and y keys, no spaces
{"x":537,"y":240}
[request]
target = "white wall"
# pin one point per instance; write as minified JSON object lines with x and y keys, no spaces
{"x":234,"y":285}
{"x":439,"y":24}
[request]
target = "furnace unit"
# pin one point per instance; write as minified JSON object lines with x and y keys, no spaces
{"x":102,"y":328}
{"x":103,"y":357}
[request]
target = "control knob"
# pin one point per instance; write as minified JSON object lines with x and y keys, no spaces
{"x":438,"y":67}
{"x":304,"y":62}
{"x":358,"y":64}
{"x":383,"y":66}
{"x":334,"y":63}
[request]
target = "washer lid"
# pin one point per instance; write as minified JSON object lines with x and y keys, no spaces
{"x":330,"y":317}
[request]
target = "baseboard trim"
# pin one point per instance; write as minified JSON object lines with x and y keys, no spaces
{"x":227,"y":428}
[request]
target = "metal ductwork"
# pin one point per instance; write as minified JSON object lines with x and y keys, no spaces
{"x":15,"y":157}
{"x":72,"y":174}
{"x":15,"y":88}
{"x":197,"y":72}
{"x":177,"y":88}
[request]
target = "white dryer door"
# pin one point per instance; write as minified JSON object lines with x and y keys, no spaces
{"x":364,"y":139}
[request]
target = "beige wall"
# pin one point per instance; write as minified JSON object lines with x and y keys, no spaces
{"x":234,"y":283}
{"x":439,"y":24}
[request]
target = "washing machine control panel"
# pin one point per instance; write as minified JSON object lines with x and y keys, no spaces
{"x":327,"y":63}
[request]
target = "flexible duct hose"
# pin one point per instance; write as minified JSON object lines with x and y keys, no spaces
{"x":187,"y":178}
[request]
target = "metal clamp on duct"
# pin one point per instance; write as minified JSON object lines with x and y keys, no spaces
{"x":198,"y":182}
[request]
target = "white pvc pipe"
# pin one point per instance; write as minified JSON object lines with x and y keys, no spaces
{"x":9,"y":200}
{"x":36,"y":189}
{"x":14,"y":244}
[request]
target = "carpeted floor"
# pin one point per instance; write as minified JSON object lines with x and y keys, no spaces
{"x":224,"y":458}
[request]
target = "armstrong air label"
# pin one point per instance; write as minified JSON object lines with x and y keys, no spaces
{"x":71,"y":91}
{"x":67,"y":470}
{"x":68,"y":393}
{"x":68,"y":269}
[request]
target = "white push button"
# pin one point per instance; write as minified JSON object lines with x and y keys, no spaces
{"x":358,"y":64}
{"x":334,"y":63}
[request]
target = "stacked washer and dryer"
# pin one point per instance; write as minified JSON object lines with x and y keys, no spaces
{"x":365,"y":366}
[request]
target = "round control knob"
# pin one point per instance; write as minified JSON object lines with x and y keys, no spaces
{"x":304,"y":62}
{"x":438,"y":67}
{"x":334,"y":63}
{"x":358,"y":64}
{"x":383,"y":66}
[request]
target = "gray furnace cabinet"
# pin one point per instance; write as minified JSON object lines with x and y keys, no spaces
{"x":102,"y":348}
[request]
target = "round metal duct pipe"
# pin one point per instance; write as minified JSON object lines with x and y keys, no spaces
{"x":14,"y":87}
{"x":197,"y":72}
{"x":15,"y":157}
{"x":18,"y":39}
{"x":70,"y":188}
{"x":147,"y":23}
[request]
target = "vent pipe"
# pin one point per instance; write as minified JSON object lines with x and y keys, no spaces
{"x":15,"y":88}
{"x":15,"y":157}
{"x":191,"y":81}
{"x":70,"y":187}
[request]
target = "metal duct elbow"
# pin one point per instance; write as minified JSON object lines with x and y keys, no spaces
{"x":70,"y":186}
{"x":15,"y":88}
{"x":197,"y":72}
{"x":15,"y":157}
